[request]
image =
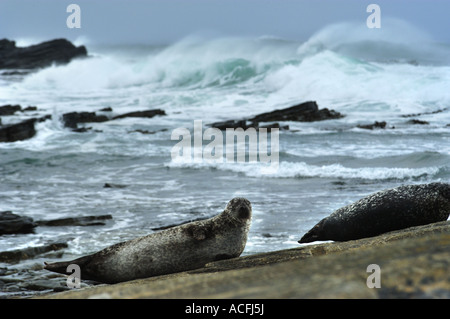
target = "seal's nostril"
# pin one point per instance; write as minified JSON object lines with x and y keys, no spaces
{"x":244,"y":212}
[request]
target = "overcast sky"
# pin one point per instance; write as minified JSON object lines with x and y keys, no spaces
{"x":165,"y":21}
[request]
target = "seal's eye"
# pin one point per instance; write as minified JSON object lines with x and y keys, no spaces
{"x":243,"y":212}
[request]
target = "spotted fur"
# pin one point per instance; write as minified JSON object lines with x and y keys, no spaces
{"x":181,"y":248}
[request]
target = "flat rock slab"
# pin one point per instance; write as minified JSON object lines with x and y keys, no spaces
{"x":414,"y":263}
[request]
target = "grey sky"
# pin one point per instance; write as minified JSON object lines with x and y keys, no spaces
{"x":163,"y":21}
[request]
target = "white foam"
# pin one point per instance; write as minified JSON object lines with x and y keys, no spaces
{"x":303,"y":170}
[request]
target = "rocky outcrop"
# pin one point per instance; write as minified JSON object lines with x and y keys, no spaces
{"x":146,"y":114}
{"x":72,"y":119}
{"x":9,"y":109}
{"x":76,"y":221}
{"x":424,"y":113}
{"x":18,"y":132}
{"x":12,"y":256}
{"x":59,"y":51}
{"x":417,"y":122}
{"x":375,"y":125}
{"x":304,"y":112}
{"x":414,"y":263}
{"x":14,"y":224}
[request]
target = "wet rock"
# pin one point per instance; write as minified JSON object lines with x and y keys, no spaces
{"x":106,"y":109}
{"x":14,"y":224}
{"x":111,"y":185}
{"x":9,"y":109}
{"x":244,"y":124}
{"x":375,"y":125}
{"x":424,"y":113}
{"x":29,"y":108}
{"x":147,"y":132}
{"x":304,"y":112}
{"x":72,"y":119}
{"x":59,"y":51}
{"x":82,"y":129}
{"x":76,"y":221}
{"x":18,"y":132}
{"x":145,"y":114}
{"x":13,"y":73}
{"x":12,"y":256}
{"x":275,"y":125}
{"x":231,"y":124}
{"x":419,"y":122}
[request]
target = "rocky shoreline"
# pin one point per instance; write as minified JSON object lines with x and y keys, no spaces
{"x":414,"y":263}
{"x":23,"y":60}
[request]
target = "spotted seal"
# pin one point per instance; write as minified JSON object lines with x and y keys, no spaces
{"x":180,"y":248}
{"x":384,"y":211}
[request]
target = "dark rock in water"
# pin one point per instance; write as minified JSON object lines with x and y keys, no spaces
{"x":14,"y":224}
{"x":82,"y":129}
{"x":415,"y":121}
{"x":76,"y":221}
{"x":59,"y":51}
{"x":275,"y":125}
{"x":304,"y":112}
{"x":106,"y":109}
{"x":18,"y":132}
{"x":147,"y":132}
{"x":388,"y":210}
{"x":29,"y":108}
{"x":73,"y":118}
{"x":424,"y":113}
{"x":373,"y":126}
{"x":12,"y":73}
{"x":147,"y":114}
{"x":243,"y":124}
{"x":110,"y":185}
{"x":9,"y":109}
{"x":231,"y":124}
{"x":17,"y":255}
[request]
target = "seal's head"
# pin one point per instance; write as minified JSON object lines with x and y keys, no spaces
{"x":314,"y":233}
{"x":239,"y":209}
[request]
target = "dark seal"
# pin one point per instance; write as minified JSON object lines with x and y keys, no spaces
{"x":384,"y":211}
{"x":180,"y":248}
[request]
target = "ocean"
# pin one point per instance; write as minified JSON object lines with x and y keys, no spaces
{"x":390,"y":76}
